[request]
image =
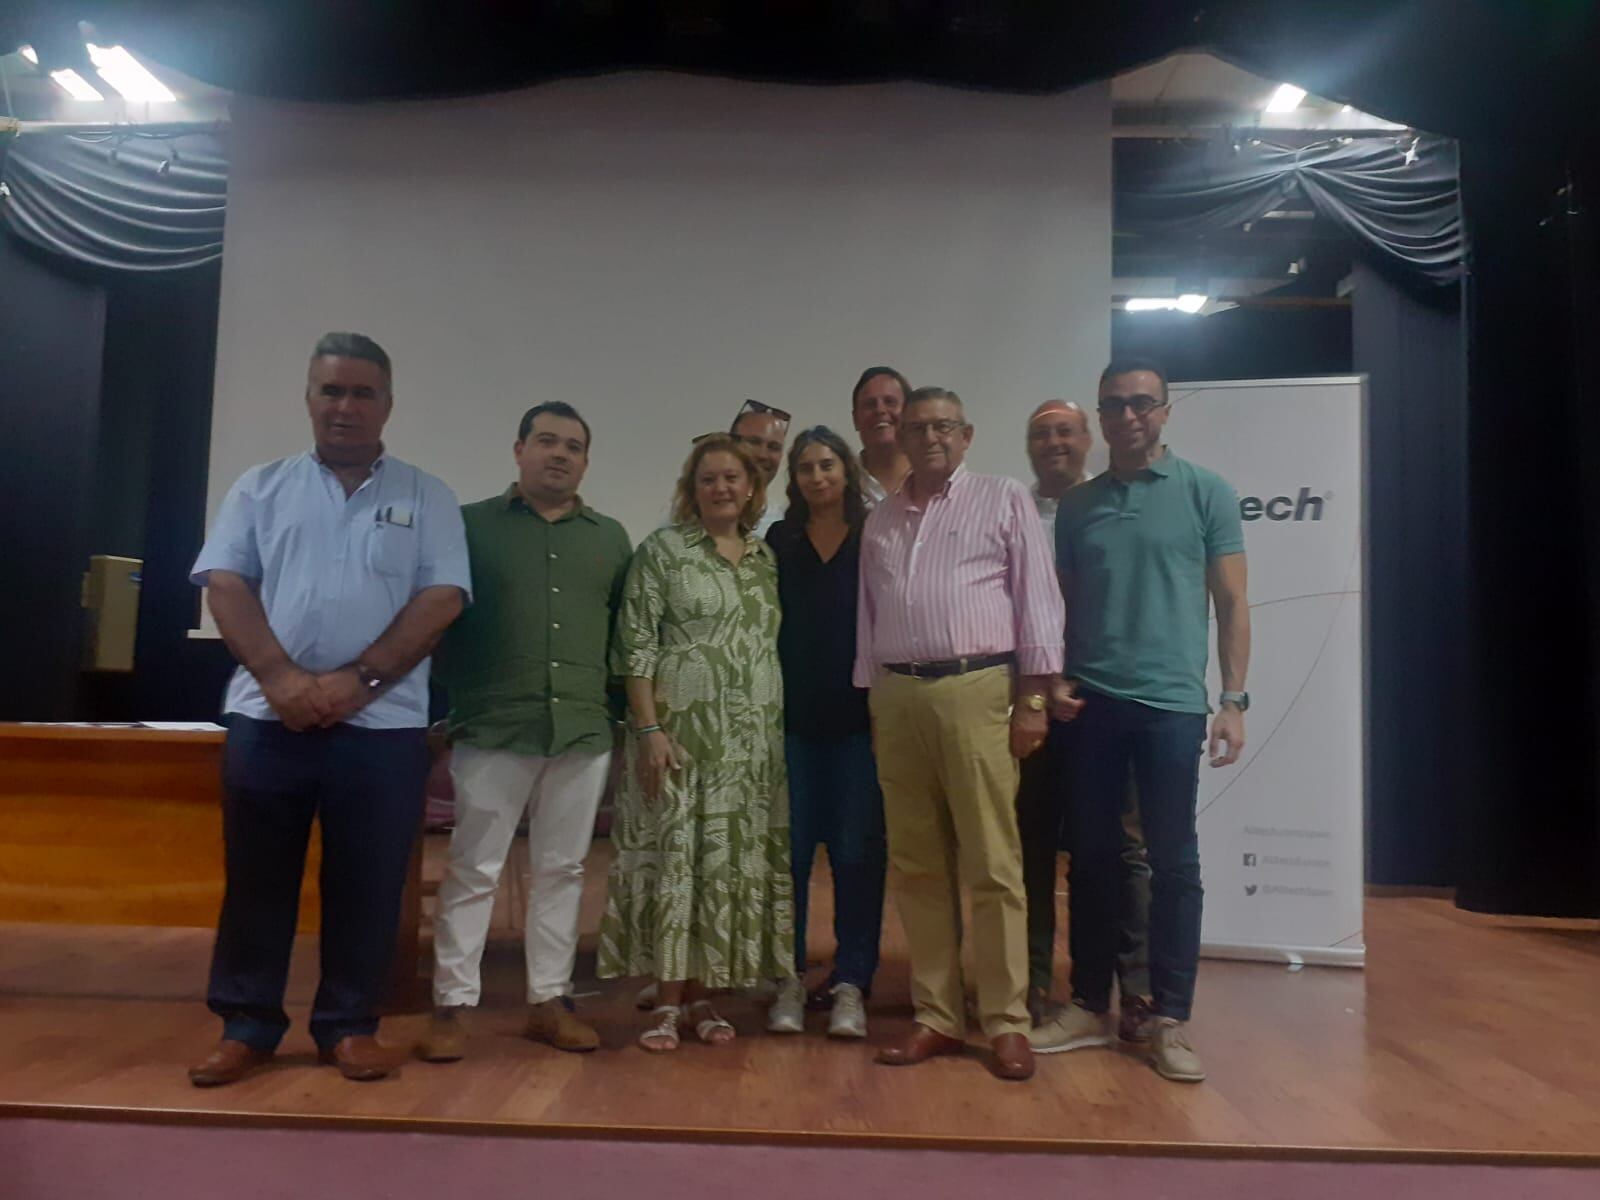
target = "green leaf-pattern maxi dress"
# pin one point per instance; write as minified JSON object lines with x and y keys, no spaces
{"x":700,"y":887}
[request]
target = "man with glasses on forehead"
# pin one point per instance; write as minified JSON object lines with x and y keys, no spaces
{"x":1141,"y":550}
{"x":764,"y":430}
{"x":958,"y":636}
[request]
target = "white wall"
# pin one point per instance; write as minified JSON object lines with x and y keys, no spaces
{"x":653,"y":249}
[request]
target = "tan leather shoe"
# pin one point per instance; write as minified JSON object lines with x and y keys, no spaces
{"x":1013,"y":1057}
{"x":921,"y":1044}
{"x":359,"y":1057}
{"x":446,"y":1038}
{"x":229,"y":1062}
{"x":555,"y":1022}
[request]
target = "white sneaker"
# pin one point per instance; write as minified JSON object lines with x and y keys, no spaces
{"x":788,"y":1011}
{"x":1072,"y":1028}
{"x":849,"y":1016}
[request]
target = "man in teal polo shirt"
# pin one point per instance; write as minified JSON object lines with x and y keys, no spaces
{"x":530,"y":724}
{"x":1141,"y":550}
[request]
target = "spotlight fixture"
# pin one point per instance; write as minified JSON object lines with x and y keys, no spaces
{"x":1286,"y":99}
{"x":68,"y":81}
{"x":1189,"y":302}
{"x":131,"y":79}
{"x":75,"y":85}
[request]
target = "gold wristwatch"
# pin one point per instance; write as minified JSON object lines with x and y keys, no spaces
{"x":1033,"y":702}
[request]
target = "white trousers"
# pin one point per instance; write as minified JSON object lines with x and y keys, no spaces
{"x":493,"y":789}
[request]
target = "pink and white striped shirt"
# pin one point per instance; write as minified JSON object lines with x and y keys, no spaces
{"x":962,"y":574}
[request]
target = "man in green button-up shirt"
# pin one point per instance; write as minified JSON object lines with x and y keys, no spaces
{"x":530,"y":723}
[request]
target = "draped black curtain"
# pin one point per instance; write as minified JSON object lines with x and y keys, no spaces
{"x":1399,"y":197}
{"x":124,"y":201}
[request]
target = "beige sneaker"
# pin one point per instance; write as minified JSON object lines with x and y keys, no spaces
{"x":446,"y":1038}
{"x":556,"y":1022}
{"x":1072,"y":1028}
{"x":1171,"y":1054}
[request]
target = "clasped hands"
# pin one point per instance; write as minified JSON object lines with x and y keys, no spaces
{"x":307,"y":700}
{"x":1030,"y":727}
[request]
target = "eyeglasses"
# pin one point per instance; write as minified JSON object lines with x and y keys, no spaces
{"x":943,"y":428}
{"x":1139,"y":406}
{"x":755,"y":406}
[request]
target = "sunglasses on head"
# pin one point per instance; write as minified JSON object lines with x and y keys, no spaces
{"x":755,"y":406}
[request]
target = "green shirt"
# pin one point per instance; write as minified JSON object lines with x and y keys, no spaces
{"x":1133,"y":560}
{"x":525,"y":665}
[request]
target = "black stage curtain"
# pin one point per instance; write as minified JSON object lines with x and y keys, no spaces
{"x":125,"y":202}
{"x":52,"y":328}
{"x":1398,"y":197}
{"x":1407,"y":341}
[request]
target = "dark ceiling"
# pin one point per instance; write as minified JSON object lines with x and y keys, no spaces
{"x":1451,"y":66}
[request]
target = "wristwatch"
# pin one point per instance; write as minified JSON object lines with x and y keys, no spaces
{"x":1242,"y":699}
{"x":1033,"y":702}
{"x":370,"y":679}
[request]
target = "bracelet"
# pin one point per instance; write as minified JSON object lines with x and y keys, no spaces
{"x":647,"y":729}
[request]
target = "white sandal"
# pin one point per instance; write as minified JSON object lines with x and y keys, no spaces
{"x":710,"y":1023}
{"x":663,"y":1035}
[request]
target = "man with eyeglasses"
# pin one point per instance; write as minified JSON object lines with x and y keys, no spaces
{"x":1140,"y":550}
{"x":764,"y":430}
{"x":959,"y":638}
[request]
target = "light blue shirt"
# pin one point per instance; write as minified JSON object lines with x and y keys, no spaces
{"x":335,"y":571}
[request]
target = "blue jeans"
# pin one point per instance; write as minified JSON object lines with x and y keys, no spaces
{"x":1162,"y":749}
{"x":834,"y":801}
{"x":365,"y":787}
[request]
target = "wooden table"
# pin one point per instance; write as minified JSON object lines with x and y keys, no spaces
{"x":123,"y":826}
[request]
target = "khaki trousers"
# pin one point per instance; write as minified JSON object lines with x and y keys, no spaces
{"x":949,"y":800}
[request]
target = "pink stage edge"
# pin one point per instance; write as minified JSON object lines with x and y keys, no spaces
{"x":88,"y":1160}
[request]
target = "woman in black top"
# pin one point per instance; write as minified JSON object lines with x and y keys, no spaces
{"x":833,"y":780}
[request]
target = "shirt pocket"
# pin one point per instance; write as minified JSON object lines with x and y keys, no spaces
{"x":392,"y":550}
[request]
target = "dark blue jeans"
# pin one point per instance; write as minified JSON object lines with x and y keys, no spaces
{"x":1109,"y":739}
{"x":365,"y":786}
{"x":834,"y":801}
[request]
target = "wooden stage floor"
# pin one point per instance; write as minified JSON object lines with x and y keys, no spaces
{"x":1464,"y":1035}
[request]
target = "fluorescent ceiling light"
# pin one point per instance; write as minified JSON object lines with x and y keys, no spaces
{"x":128,"y":75}
{"x":75,"y":85}
{"x":28,"y":53}
{"x":1286,"y":99}
{"x":1189,"y":302}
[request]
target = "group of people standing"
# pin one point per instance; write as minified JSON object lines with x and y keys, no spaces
{"x":876,"y":665}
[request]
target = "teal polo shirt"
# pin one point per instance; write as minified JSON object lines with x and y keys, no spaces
{"x":1133,"y":558}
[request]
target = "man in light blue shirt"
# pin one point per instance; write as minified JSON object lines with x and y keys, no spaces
{"x":331,"y":575}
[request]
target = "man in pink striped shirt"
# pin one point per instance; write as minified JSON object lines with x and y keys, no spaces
{"x":959,"y":635}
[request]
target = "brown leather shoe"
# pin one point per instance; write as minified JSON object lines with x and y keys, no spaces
{"x":358,"y":1057}
{"x":921,"y":1044}
{"x":229,"y":1062}
{"x":1013,"y":1057}
{"x":446,"y":1038}
{"x":557,"y":1023}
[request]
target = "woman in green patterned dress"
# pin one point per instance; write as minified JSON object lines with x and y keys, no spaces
{"x":700,"y":893}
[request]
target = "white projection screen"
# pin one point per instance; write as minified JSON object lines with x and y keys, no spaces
{"x":654,"y":249}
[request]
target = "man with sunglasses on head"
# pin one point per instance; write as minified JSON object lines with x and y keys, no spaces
{"x":764,"y":430}
{"x":1141,"y":550}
